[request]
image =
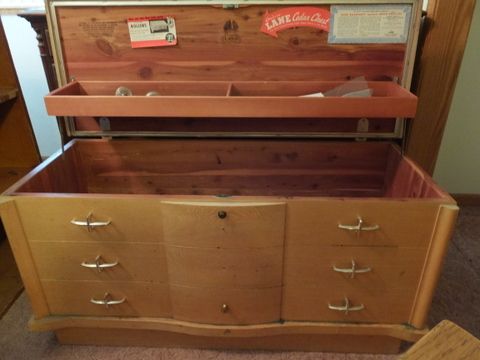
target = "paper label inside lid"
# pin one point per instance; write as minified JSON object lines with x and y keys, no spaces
{"x":152,"y":31}
{"x":359,"y":24}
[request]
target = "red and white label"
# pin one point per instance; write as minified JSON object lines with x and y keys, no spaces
{"x":152,"y":31}
{"x":295,"y":17}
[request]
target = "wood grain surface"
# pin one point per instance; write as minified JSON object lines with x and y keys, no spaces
{"x":311,"y":264}
{"x":243,"y":306}
{"x":300,"y":342}
{"x":401,"y":223}
{"x":175,"y":126}
{"x":141,"y":298}
{"x":9,"y":175}
{"x":7,"y":93}
{"x":234,"y":268}
{"x":23,"y":257}
{"x":136,"y":261}
{"x":96,"y":45}
{"x":49,"y":219}
{"x":447,"y":26}
{"x":279,"y":168}
{"x":227,"y":167}
{"x":444,"y":226}
{"x":223,"y":44}
{"x":249,"y":331}
{"x":247,"y":100}
{"x":245,"y":225}
{"x":446,"y":341}
{"x":311,"y":303}
{"x":18,"y":147}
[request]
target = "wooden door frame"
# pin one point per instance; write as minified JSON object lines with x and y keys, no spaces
{"x":438,"y":63}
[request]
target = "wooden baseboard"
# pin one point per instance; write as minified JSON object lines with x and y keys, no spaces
{"x":467,"y":199}
{"x":290,"y":342}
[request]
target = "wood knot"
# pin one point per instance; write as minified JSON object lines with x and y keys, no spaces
{"x":104,"y":46}
{"x":145,"y":72}
{"x":230,"y":29}
{"x":230,"y":25}
{"x":295,"y":41}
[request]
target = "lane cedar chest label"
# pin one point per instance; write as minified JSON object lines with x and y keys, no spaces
{"x":292,"y":17}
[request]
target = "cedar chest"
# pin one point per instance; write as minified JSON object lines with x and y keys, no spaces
{"x":229,"y":211}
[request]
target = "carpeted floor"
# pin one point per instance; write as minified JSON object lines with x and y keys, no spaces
{"x":457,"y":299}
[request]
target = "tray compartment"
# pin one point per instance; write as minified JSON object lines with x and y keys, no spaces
{"x":246,"y":99}
{"x":141,"y":88}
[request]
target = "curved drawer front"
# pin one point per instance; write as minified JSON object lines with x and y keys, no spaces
{"x":312,"y":303}
{"x":360,"y":222}
{"x":111,"y":219}
{"x":235,"y":268}
{"x":223,"y":225}
{"x":375,"y":269}
{"x":226,"y":306}
{"x":106,"y":261}
{"x":133,"y":298}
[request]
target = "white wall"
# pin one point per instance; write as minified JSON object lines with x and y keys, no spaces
{"x":458,"y":165}
{"x":26,"y":57}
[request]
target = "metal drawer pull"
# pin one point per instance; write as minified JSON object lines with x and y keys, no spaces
{"x":89,"y":223}
{"x":225,"y":308}
{"x":353,"y":270}
{"x":98,"y":264}
{"x":347,"y":307}
{"x":359,"y":227}
{"x":107,"y":301}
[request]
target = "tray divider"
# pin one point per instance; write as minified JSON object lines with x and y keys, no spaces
{"x":229,"y":89}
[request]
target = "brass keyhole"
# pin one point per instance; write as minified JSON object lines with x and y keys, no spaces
{"x":222,"y":214}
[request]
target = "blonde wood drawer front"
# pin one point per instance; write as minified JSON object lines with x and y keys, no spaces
{"x":311,"y":303}
{"x":400,"y":223}
{"x":71,"y":261}
{"x":226,"y":306}
{"x":223,"y":224}
{"x":235,"y":268}
{"x":377,"y":269}
{"x":75,"y":298}
{"x":50,"y":219}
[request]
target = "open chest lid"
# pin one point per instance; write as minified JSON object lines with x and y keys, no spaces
{"x":234,"y":68}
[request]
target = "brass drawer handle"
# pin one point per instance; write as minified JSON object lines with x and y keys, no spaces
{"x":353,"y":270}
{"x":89,"y":223}
{"x":346,"y":307}
{"x":225,"y":308}
{"x":106,"y":301}
{"x":98,"y":264}
{"x":359,"y":227}
{"x":222,"y":214}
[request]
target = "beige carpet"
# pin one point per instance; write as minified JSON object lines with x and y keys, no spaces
{"x":457,"y":299}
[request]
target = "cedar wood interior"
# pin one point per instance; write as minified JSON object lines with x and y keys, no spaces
{"x":231,"y":167}
{"x":249,"y":68}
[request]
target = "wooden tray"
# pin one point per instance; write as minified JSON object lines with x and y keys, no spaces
{"x":246,"y":99}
